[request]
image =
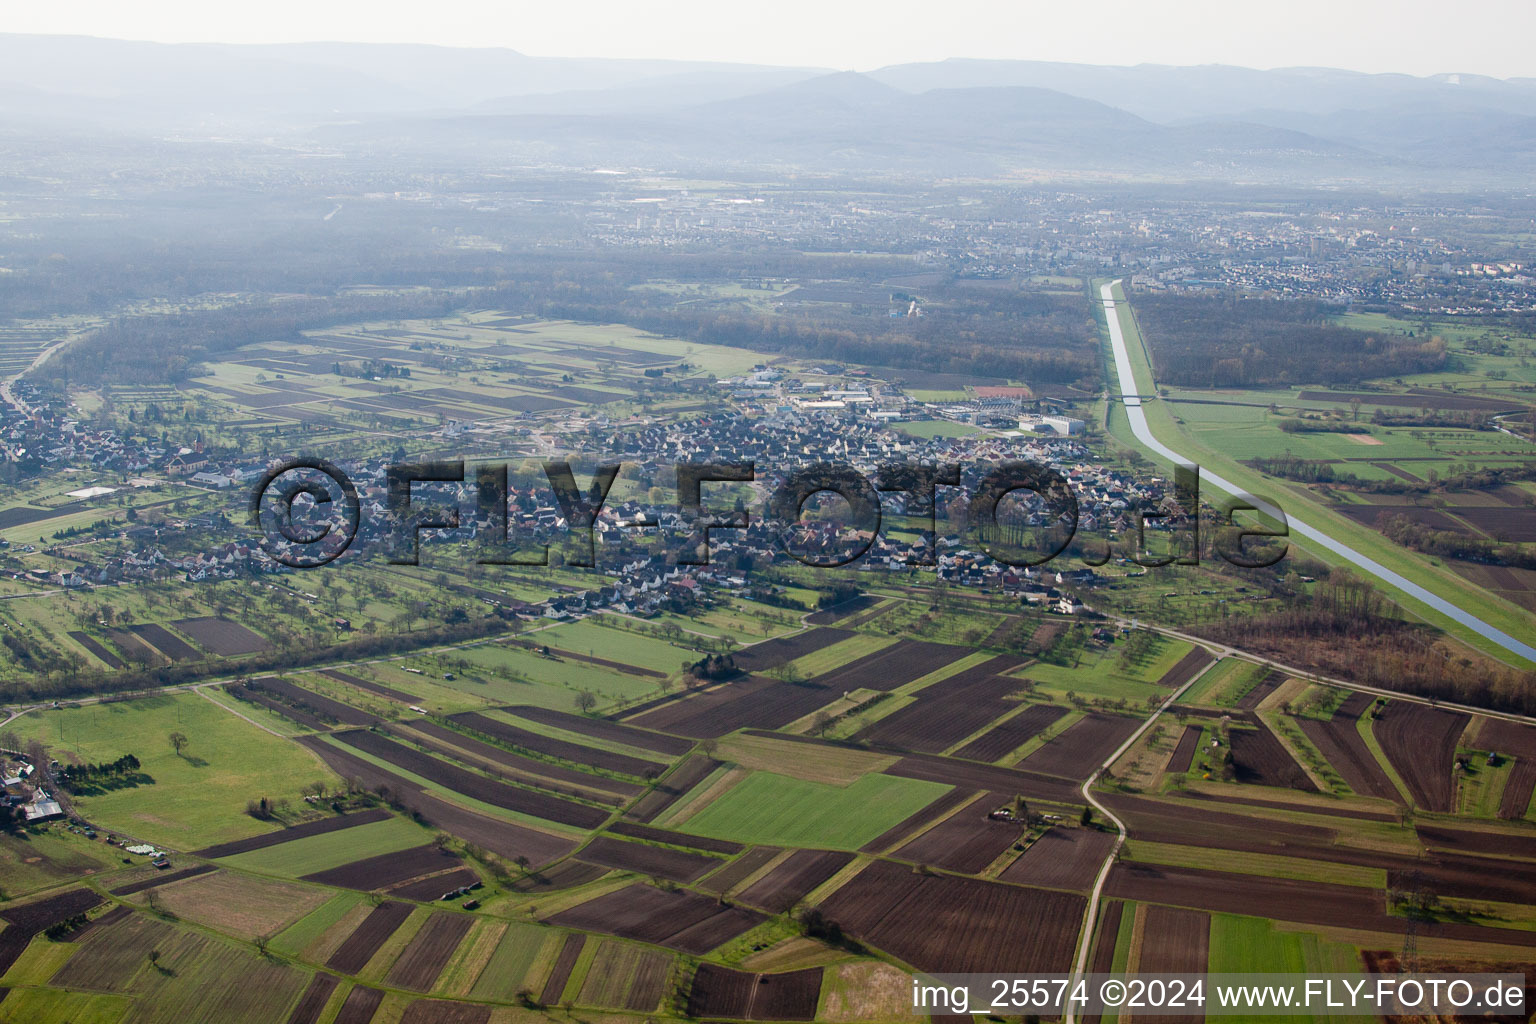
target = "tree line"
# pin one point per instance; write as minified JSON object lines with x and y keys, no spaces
{"x":1198,"y":341}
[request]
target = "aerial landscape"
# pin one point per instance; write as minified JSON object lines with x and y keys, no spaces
{"x":490,"y":538}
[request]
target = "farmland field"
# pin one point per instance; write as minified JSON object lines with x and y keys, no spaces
{"x":239,"y":905}
{"x":198,"y":796}
{"x":331,"y":849}
{"x":893,"y":779}
{"x":1024,"y":929}
{"x":1420,"y":742}
{"x":508,"y":965}
{"x":779,"y":810}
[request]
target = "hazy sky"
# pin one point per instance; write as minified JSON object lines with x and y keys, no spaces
{"x":1419,"y":37}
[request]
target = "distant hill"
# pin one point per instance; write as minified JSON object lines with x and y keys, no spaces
{"x":949,"y":117}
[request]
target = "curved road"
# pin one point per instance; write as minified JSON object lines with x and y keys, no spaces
{"x":1143,"y":432}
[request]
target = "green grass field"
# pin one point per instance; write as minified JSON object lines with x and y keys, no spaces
{"x":47,"y":856}
{"x":508,"y":966}
{"x":1226,"y":683}
{"x":776,"y":809}
{"x":199,"y":796}
{"x":1253,"y":945}
{"x":332,"y":849}
{"x":297,"y":936}
{"x":56,"y":1006}
{"x":1249,"y":863}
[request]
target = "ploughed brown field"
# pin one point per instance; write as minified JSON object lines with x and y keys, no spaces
{"x":723,"y":992}
{"x":1509,"y":738}
{"x":754,"y":702}
{"x":947,"y":711}
{"x":526,"y":770}
{"x":301,"y":831}
{"x":689,"y":773}
{"x":387,"y":868}
{"x":1470,"y":877}
{"x":310,"y":1005}
{"x":444,"y":1011}
{"x":566,"y":875}
{"x":25,"y":921}
{"x":434,"y":888}
{"x":255,"y":696}
{"x":360,"y":1005}
{"x":903,"y":662}
{"x":626,"y":977}
{"x":802,"y":871}
{"x":561,"y":973}
{"x":1078,"y":752}
{"x":523,"y":739}
{"x":662,"y":835}
{"x":223,"y":637}
{"x":1263,"y":688}
{"x":954,"y":798}
{"x":1258,"y":758}
{"x":728,"y":877}
{"x":678,"y":865}
{"x":971,"y":775}
{"x":1104,"y":943}
{"x":429,"y":951}
{"x":166,"y":642}
{"x":156,"y":880}
{"x":358,"y":948}
{"x":1187,"y":667}
{"x":942,"y":923}
{"x":309,"y":700}
{"x":133,"y":648}
{"x":772,"y":653}
{"x":1474,"y":840}
{"x":1516,"y":798}
{"x":604,"y":731}
{"x":473,"y":784}
{"x":1008,"y":736}
{"x":1184,"y":753}
{"x":827,"y":616}
{"x":1283,"y":899}
{"x":967,"y":840}
{"x":93,"y":645}
{"x":1340,"y":742}
{"x":1062,"y":858}
{"x":1420,"y":741}
{"x":684,"y":921}
{"x":1187,"y":823}
{"x":500,"y":837}
{"x":1175,"y":941}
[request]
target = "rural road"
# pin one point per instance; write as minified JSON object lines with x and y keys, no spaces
{"x":1091,"y":915}
{"x":1143,"y":431}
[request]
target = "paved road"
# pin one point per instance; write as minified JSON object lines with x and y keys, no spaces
{"x":1143,"y":432}
{"x":1091,"y":914}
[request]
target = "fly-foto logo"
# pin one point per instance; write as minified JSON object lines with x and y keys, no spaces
{"x":1041,"y":522}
